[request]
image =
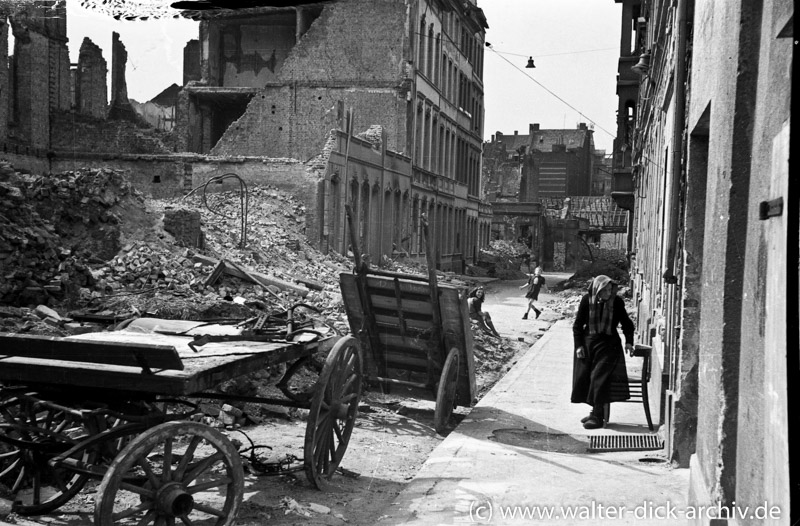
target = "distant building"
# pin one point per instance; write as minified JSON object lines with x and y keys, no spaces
{"x":558,"y":163}
{"x":602,"y":173}
{"x":503,"y":157}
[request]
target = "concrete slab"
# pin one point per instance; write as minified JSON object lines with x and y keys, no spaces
{"x":520,"y":457}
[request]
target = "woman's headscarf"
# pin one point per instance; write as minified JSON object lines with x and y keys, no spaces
{"x":601,"y":312}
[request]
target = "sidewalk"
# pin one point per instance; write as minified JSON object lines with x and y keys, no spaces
{"x":523,"y":446}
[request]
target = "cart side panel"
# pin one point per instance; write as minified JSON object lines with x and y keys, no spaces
{"x":458,"y":333}
{"x":356,"y":319}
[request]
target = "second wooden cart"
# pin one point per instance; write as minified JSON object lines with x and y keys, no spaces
{"x":415,"y":332}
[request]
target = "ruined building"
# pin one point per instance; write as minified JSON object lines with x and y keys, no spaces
{"x":272,"y":80}
{"x":373,"y":104}
{"x":702,"y":161}
{"x":528,"y":178}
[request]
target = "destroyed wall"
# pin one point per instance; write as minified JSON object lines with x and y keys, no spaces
{"x":191,"y":62}
{"x":155,"y":176}
{"x":91,"y":86}
{"x":39,"y":72}
{"x":74,"y":134}
{"x":120,"y":107}
{"x":502,"y":172}
{"x":25,"y":158}
{"x":294,"y":121}
{"x":353,"y":52}
{"x":169,"y":176}
{"x":358,"y":43}
{"x":252,"y":51}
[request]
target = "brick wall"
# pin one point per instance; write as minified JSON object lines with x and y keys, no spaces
{"x":72,"y":132}
{"x":355,"y":42}
{"x":91,"y":90}
{"x":354,"y":53}
{"x":31,"y":69}
{"x":294,"y":122}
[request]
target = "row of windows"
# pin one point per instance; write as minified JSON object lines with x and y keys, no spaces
{"x":445,"y":74}
{"x":441,"y":149}
{"x":385,"y":218}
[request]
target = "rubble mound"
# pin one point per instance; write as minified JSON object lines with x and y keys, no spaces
{"x":52,"y":227}
{"x":503,"y":259}
{"x":616,"y":269}
{"x":83,"y":251}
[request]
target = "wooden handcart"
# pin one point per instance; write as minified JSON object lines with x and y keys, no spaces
{"x":416,"y":332}
{"x":117,"y":407}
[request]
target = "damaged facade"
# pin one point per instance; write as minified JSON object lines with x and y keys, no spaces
{"x":702,"y":161}
{"x":286,"y":96}
{"x":274,"y":81}
{"x":531,"y":180}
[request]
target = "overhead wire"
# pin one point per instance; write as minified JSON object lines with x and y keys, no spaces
{"x":553,"y":54}
{"x":551,"y":92}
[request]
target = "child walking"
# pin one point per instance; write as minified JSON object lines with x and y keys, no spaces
{"x":535,"y":282}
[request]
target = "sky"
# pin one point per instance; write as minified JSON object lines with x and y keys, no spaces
{"x":574,"y":44}
{"x":154,"y":47}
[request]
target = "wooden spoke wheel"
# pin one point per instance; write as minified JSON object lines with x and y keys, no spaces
{"x":333,"y":411}
{"x":174,"y":473}
{"x":446,"y":392}
{"x":31,"y":433}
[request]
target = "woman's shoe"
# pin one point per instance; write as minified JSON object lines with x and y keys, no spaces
{"x":585,"y":418}
{"x":593,"y":423}
{"x":525,"y":316}
{"x":538,"y":312}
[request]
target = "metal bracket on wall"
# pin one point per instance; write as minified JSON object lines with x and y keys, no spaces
{"x":768,"y":209}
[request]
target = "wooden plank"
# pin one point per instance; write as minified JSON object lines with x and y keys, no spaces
{"x":212,"y":278}
{"x":458,"y":334}
{"x":203,"y":370}
{"x":310,"y":283}
{"x":38,"y":371}
{"x":412,"y":324}
{"x":404,"y":361}
{"x":261,"y":279}
{"x":409,"y":306}
{"x":420,"y":288}
{"x":396,"y":340}
{"x":102,"y":352}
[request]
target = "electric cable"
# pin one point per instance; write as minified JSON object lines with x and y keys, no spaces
{"x":553,"y":93}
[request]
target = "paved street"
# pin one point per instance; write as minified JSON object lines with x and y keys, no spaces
{"x":522,"y":449}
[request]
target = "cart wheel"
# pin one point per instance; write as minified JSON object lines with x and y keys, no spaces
{"x":446,"y":392}
{"x":333,"y":411}
{"x":31,"y":433}
{"x":176,"y":470}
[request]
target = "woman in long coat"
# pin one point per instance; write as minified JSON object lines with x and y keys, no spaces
{"x":598,"y":350}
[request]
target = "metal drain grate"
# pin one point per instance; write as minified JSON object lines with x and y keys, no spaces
{"x":598,"y":443}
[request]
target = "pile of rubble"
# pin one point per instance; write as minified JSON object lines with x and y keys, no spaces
{"x":90,"y":247}
{"x":52,"y":228}
{"x":616,"y":268}
{"x":503,"y":259}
